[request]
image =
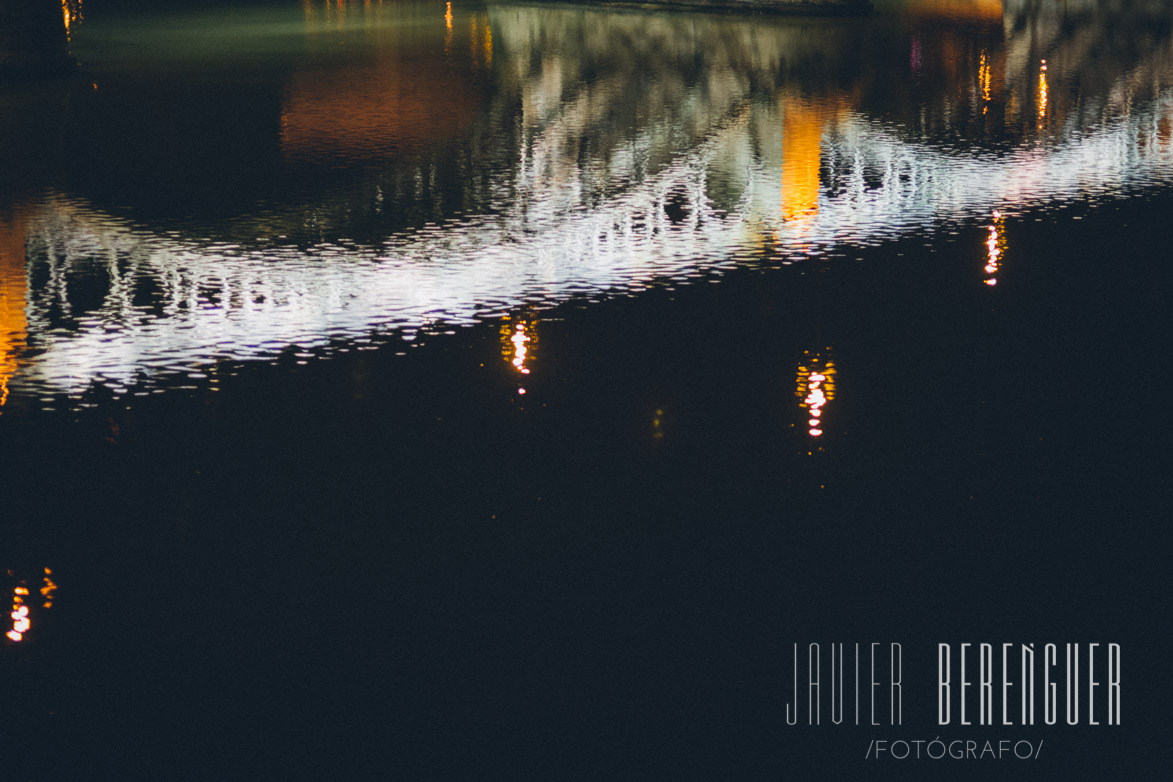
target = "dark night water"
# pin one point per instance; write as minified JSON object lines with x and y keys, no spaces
{"x":397,"y":390}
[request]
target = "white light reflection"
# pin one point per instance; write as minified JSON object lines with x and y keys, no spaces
{"x":560,"y":227}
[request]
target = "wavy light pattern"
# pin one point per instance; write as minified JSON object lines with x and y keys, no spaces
{"x":698,"y":185}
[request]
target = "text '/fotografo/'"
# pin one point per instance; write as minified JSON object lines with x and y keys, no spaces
{"x":953,"y":749}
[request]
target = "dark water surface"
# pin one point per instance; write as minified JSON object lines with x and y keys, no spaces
{"x":426,"y":391}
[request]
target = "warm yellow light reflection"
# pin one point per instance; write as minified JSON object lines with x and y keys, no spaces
{"x":984,"y":80}
{"x":70,"y":12}
{"x":518,"y":340}
{"x":13,"y":300}
{"x":802,"y":139}
{"x":816,"y":388}
{"x":987,"y":12}
{"x":481,"y":42}
{"x":995,"y":248}
{"x":21,"y":613}
{"x":1042,"y":90}
{"x":448,"y":28}
{"x":658,"y":425}
{"x":48,"y":589}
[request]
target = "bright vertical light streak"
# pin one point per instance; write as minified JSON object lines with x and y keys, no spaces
{"x":1042,"y":91}
{"x":816,"y":388}
{"x":995,"y":248}
{"x":48,"y":589}
{"x":447,"y":28}
{"x":984,"y":80}
{"x":19,"y":615}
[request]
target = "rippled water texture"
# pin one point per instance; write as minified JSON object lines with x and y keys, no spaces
{"x":320,"y":174}
{"x":447,"y":391}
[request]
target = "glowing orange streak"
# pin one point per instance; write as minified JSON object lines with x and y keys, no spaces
{"x":13,"y":301}
{"x":1043,"y":90}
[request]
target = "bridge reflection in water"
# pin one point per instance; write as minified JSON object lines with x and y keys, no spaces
{"x":598,"y":178}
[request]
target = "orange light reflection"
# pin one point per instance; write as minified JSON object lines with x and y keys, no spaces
{"x":816,"y":388}
{"x":13,"y":300}
{"x":995,"y":248}
{"x":1042,"y":92}
{"x":518,"y":340}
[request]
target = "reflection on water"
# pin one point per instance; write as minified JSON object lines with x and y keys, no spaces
{"x":71,"y":10}
{"x":407,"y":168}
{"x":802,"y":143}
{"x":20,"y":614}
{"x":995,"y":248}
{"x":13,"y":290}
{"x":816,"y":388}
{"x":392,"y":100}
{"x":572,"y":511}
{"x":23,"y":605}
{"x":956,"y":11}
{"x":518,"y":341}
{"x":984,"y":80}
{"x":1042,"y":92}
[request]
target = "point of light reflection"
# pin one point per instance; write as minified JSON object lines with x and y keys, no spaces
{"x":448,"y":28}
{"x":71,"y":12}
{"x":48,"y":589}
{"x":815,"y":388}
{"x":517,"y":343}
{"x":1042,"y":91}
{"x":21,"y":613}
{"x":984,"y":80}
{"x":995,"y":248}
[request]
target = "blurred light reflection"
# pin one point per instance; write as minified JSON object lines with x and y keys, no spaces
{"x":517,"y":341}
{"x":816,"y":384}
{"x":1042,"y":92}
{"x":995,"y":248}
{"x":13,"y":299}
{"x":709,"y":143}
